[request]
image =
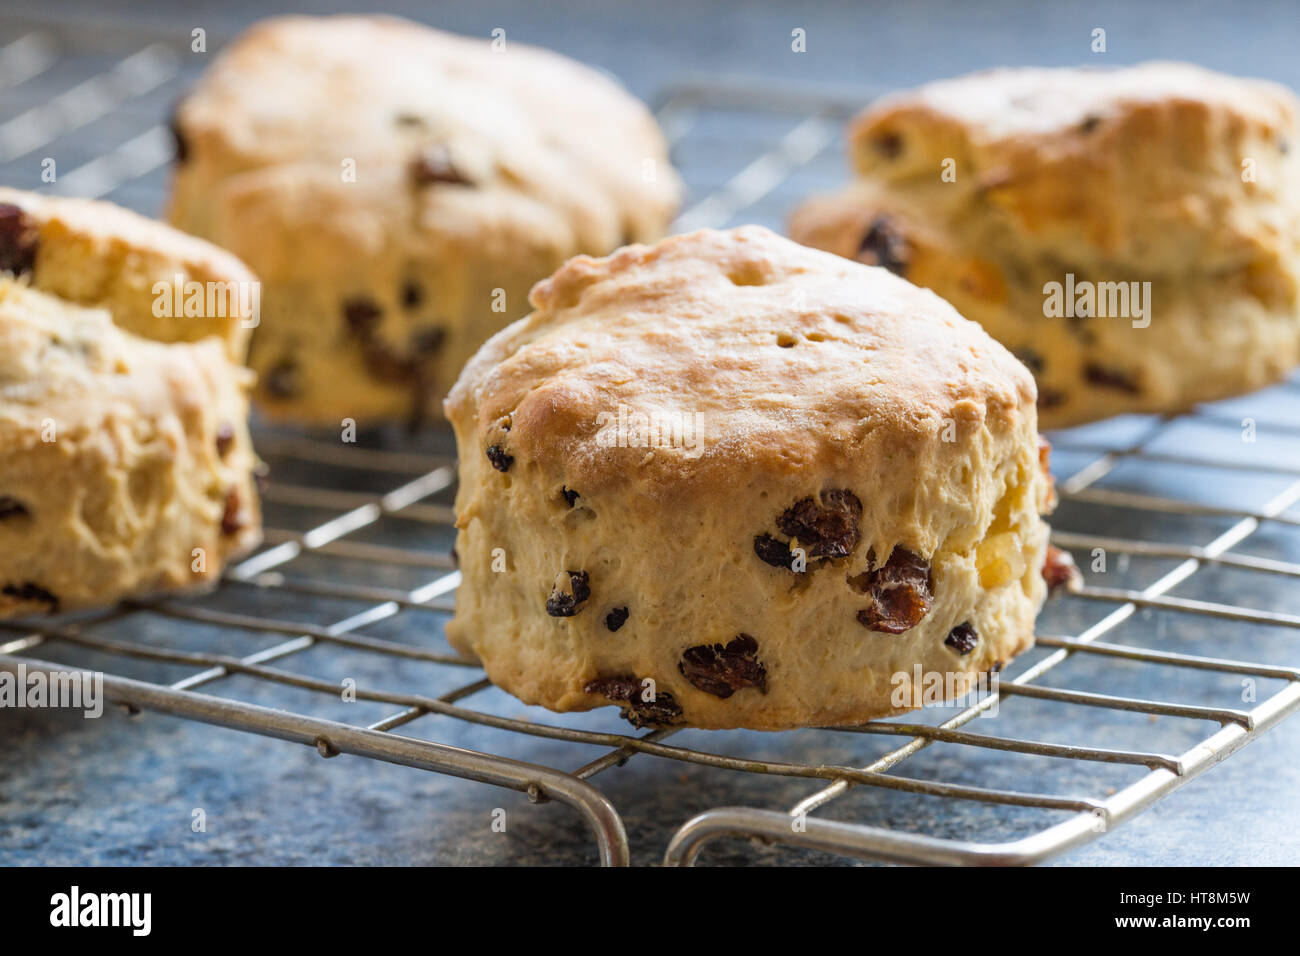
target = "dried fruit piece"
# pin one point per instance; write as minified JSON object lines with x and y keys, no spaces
{"x":773,"y":552}
{"x":412,"y":294}
{"x":27,"y":592}
{"x":225,"y":438}
{"x":18,"y":240}
{"x":828,"y":530}
{"x":885,"y":246}
{"x":616,"y":618}
{"x":1104,"y":377}
{"x":1030,"y":359}
{"x":1060,"y":571}
{"x":721,"y":671}
{"x":232,"y":516}
{"x":570,"y":590}
{"x":901,"y":592}
{"x":362,"y":315}
{"x":663,"y":709}
{"x":888,"y":145}
{"x":570,"y":495}
{"x":962,"y":638}
{"x":11,"y":507}
{"x":428,"y":340}
{"x":434,"y":165}
{"x":500,"y":460}
{"x":1050,"y":398}
{"x":180,"y":145}
{"x":281,"y":380}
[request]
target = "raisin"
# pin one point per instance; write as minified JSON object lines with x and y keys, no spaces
{"x":568,"y":602}
{"x":225,"y":438}
{"x":412,"y":295}
{"x":434,"y":165}
{"x":570,"y":496}
{"x":884,"y":246}
{"x":664,"y":709}
{"x":773,"y":552}
{"x":180,"y":145}
{"x":888,"y":145}
{"x":1099,"y":375}
{"x":500,"y":460}
{"x":616,"y":618}
{"x":428,"y":340}
{"x":362,"y":315}
{"x":829,"y":530}
{"x":901,"y":592}
{"x":232,"y":517}
{"x":1090,"y":123}
{"x":1050,"y":398}
{"x":18,"y":240}
{"x":721,"y":671}
{"x":11,"y":507}
{"x":1060,"y":571}
{"x":1029,"y":359}
{"x":282,"y":379}
{"x":962,"y":638}
{"x":27,"y":592}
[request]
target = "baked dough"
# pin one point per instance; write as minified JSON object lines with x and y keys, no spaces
{"x":1163,"y":181}
{"x":767,"y":480}
{"x":125,"y":464}
{"x":398,"y":190}
{"x":97,"y":254}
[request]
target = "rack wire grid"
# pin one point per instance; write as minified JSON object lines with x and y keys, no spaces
{"x":1175,"y":654}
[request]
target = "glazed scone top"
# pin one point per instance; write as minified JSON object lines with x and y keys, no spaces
{"x":1140,"y":163}
{"x":97,"y":254}
{"x":389,"y":94}
{"x":790,"y":359}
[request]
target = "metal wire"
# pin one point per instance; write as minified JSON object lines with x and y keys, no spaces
{"x":418,"y":477}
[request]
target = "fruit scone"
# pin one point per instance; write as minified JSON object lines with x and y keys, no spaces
{"x":1133,"y":235}
{"x":398,"y":190}
{"x":125,"y":463}
{"x":730,"y":481}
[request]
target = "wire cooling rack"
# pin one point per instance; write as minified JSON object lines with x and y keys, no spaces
{"x":1179,"y":650}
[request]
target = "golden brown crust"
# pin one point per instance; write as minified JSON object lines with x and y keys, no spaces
{"x":1142,"y":163}
{"x":1002,"y":190}
{"x":373,"y":159}
{"x":805,"y":404}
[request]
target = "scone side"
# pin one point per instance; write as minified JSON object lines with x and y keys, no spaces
{"x":124,"y":477}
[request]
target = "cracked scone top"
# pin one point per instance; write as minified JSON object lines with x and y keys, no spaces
{"x":97,"y":254}
{"x":398,"y":190}
{"x":729,"y":481}
{"x":125,"y":464}
{"x":987,"y":188}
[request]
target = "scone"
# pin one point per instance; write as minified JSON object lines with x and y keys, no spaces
{"x":398,"y":190}
{"x":1133,"y":235}
{"x":730,"y":481}
{"x":156,"y":281}
{"x":125,"y":464}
